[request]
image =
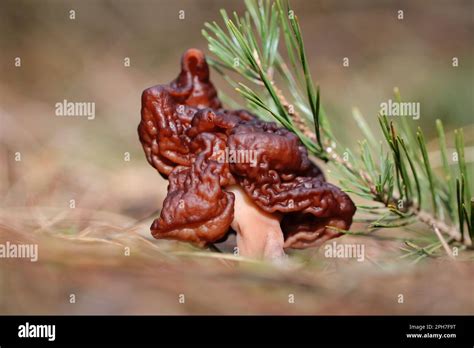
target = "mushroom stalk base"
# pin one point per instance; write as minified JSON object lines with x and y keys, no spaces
{"x":259,"y":234}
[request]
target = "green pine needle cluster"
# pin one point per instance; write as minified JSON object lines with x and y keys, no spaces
{"x":393,"y":173}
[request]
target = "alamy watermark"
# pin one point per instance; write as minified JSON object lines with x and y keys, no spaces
{"x":238,"y":156}
{"x":22,"y":251}
{"x":67,"y":108}
{"x":28,"y":330}
{"x":345,"y":251}
{"x":394,"y":108}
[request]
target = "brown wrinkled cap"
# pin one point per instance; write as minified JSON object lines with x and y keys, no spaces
{"x":185,"y":131}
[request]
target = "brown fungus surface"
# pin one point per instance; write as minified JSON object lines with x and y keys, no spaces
{"x":188,"y":136}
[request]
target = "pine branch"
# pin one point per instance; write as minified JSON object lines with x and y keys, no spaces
{"x":402,"y":179}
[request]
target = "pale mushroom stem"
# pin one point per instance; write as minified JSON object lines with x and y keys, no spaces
{"x":259,"y":233}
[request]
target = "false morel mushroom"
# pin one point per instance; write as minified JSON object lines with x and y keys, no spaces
{"x":227,"y":169}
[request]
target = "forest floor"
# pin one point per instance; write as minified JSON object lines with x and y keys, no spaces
{"x":115,"y":268}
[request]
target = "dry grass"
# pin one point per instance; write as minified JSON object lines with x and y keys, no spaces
{"x":90,"y":262}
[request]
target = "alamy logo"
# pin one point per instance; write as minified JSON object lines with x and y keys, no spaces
{"x":23,"y":251}
{"x":37,"y":331}
{"x":394,"y":108}
{"x":67,"y":108}
{"x":345,"y":251}
{"x":238,"y":156}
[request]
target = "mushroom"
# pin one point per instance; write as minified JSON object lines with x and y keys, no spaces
{"x":229,"y":170}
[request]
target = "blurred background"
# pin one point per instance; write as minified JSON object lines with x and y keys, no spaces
{"x":115,"y":196}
